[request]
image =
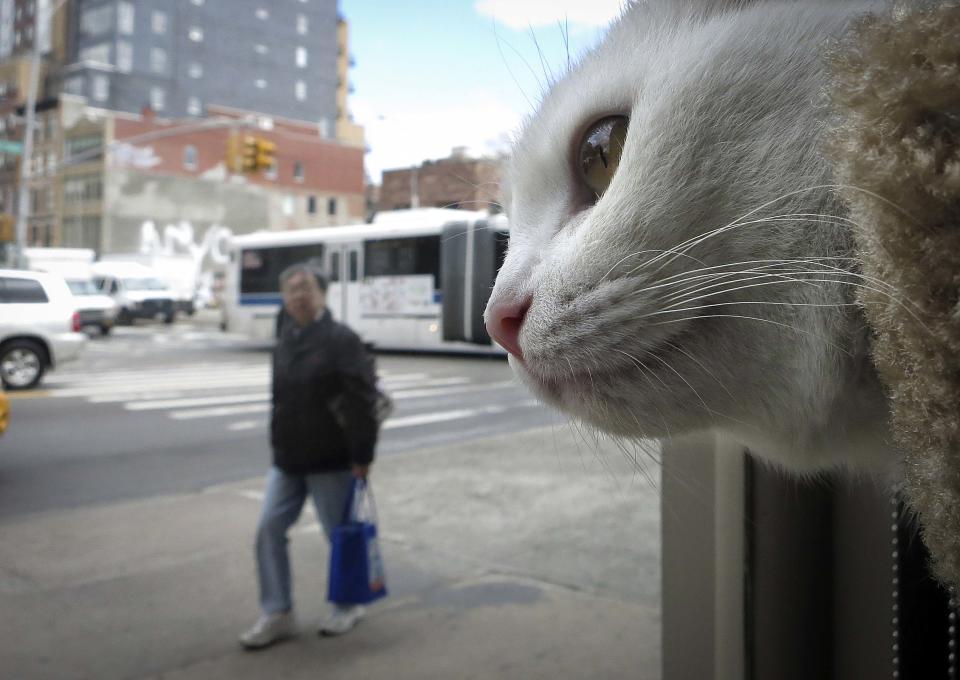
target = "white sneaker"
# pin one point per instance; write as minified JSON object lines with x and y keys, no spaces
{"x":268,"y":629}
{"x":342,"y":619}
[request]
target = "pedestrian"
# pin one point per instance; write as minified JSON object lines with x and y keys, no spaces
{"x":316,"y":361}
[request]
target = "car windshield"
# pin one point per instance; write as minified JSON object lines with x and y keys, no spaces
{"x":82,"y":287}
{"x":143,"y":284}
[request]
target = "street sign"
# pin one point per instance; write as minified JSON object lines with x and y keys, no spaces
{"x":11,"y":147}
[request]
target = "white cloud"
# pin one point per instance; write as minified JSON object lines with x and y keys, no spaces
{"x":522,"y":14}
{"x":409,"y":135}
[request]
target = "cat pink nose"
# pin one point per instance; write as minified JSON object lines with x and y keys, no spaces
{"x":504,"y":322}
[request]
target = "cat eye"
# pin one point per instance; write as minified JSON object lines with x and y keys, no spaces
{"x":600,"y":151}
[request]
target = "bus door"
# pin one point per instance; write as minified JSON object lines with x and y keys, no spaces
{"x":336,"y":290}
{"x":352,"y":277}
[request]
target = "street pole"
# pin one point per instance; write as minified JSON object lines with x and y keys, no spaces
{"x":44,"y":15}
{"x":26,"y":160}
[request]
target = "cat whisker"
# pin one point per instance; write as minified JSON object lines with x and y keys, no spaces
{"x":637,"y":253}
{"x":720,"y":281}
{"x":547,"y":73}
{"x":685,"y":276}
{"x":824,"y":220}
{"x":700,"y":364}
{"x":758,"y":319}
{"x":903,"y":304}
{"x":503,"y":58}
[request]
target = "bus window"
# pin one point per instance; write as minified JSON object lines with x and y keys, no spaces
{"x":403,"y":257}
{"x":334,"y":267}
{"x":354,"y":265}
{"x":260,"y":268}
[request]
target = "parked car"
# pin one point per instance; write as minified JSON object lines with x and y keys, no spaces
{"x":96,"y":310}
{"x":39,"y":326}
{"x":137,"y":290}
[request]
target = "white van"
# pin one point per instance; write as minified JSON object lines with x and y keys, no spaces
{"x":75,"y":265}
{"x":137,"y":290}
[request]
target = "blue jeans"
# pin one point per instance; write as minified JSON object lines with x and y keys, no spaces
{"x":282,"y":504}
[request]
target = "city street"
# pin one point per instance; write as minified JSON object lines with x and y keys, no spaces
{"x":155,"y":409}
{"x":517,"y":546}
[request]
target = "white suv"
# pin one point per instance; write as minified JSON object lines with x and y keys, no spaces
{"x":39,"y":326}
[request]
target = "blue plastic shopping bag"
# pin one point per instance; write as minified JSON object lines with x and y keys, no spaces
{"x":356,"y":565}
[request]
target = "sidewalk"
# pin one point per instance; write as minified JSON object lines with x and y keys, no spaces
{"x":525,"y":556}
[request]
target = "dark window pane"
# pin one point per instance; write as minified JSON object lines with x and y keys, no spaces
{"x":403,"y":257}
{"x":260,"y":268}
{"x":335,"y":267}
{"x":311,"y":204}
{"x":22,"y":291}
{"x":354,"y":265}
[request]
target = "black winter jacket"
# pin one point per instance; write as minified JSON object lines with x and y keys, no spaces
{"x":312,"y":366}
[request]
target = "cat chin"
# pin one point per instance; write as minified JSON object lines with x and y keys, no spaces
{"x":596,"y":399}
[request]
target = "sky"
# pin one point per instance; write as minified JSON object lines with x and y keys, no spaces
{"x":431,"y":75}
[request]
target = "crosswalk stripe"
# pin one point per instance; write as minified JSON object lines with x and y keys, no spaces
{"x":176,"y":402}
{"x":219,"y":412}
{"x":391,"y":423}
{"x":198,"y":382}
{"x":59,"y":380}
{"x":155,"y":404}
{"x":443,"y":391}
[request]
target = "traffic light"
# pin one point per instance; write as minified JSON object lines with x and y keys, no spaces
{"x":257,"y":154}
{"x":265,"y":151}
{"x":249,"y":153}
{"x":8,"y":231}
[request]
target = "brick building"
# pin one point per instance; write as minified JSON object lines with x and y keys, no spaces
{"x":168,"y":171}
{"x":454,"y":182}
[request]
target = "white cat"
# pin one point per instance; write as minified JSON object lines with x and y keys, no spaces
{"x":678,"y":260}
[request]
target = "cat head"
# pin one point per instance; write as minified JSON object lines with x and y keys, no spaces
{"x":676,"y":260}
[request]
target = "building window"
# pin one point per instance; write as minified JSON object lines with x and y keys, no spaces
{"x":331,"y":206}
{"x":124,"y":56}
{"x":301,"y":90}
{"x":125,"y":18}
{"x":312,"y":205}
{"x":260,"y":83}
{"x":96,"y":21}
{"x":158,"y":21}
{"x":302,"y":57}
{"x":288,"y":205}
{"x":194,"y":108}
{"x":158,"y":60}
{"x":100,"y":88}
{"x":273,"y":170}
{"x":196,"y":34}
{"x":98,"y":53}
{"x":263,"y":14}
{"x":298,"y":171}
{"x":195,"y":70}
{"x":190,"y":157}
{"x":303,"y":24}
{"x":158,"y":98}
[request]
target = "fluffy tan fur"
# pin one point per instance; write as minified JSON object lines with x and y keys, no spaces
{"x":896,"y":86}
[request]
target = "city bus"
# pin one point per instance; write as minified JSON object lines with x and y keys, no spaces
{"x":411,"y":280}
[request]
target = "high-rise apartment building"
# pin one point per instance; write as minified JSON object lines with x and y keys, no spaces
{"x":178,"y":57}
